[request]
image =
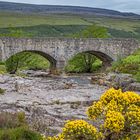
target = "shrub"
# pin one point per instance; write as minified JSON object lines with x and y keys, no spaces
{"x":137,"y":76}
{"x":19,"y":133}
{"x":114,"y":121}
{"x":78,"y":130}
{"x":14,"y":127}
{"x":59,"y":137}
{"x":117,"y":114}
{"x":130,"y":64}
{"x":9,"y":120}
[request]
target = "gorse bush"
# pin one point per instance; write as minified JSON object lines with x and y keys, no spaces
{"x":78,"y":130}
{"x":117,"y":114}
{"x":120,"y":112}
{"x":114,"y":121}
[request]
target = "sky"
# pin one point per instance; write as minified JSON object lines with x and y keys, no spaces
{"x":119,"y":5}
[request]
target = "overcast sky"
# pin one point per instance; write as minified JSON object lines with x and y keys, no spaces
{"x":121,"y":5}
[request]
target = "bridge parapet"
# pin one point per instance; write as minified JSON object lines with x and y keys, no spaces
{"x":59,"y":50}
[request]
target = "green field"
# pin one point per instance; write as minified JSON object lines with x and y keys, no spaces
{"x":116,"y":23}
{"x":18,"y":20}
{"x":44,"y":30}
{"x":34,"y":25}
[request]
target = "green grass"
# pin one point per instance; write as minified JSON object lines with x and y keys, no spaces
{"x":14,"y":127}
{"x":130,"y":64}
{"x":35,"y":25}
{"x":19,"y":133}
{"x":118,"y":27}
{"x":2,"y":68}
{"x":44,"y":30}
{"x":125,"y":34}
{"x":17,"y":20}
{"x":64,"y":31}
{"x":115,"y":23}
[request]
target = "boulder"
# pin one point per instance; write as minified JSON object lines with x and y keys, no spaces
{"x":116,"y":80}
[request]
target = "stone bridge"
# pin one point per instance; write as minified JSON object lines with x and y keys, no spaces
{"x":59,"y":50}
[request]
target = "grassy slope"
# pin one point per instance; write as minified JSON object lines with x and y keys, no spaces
{"x":18,"y":20}
{"x":125,"y":28}
{"x":62,"y":25}
{"x":45,"y":30}
{"x":116,"y":23}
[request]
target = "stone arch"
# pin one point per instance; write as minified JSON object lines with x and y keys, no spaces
{"x":105,"y":58}
{"x":43,"y":54}
{"x":47,"y":56}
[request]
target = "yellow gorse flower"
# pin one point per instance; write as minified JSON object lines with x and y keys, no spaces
{"x":118,"y":109}
{"x":114,"y":121}
{"x":119,"y":113}
{"x":79,"y":129}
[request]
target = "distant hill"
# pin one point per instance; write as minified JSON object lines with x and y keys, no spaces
{"x":56,"y":9}
{"x":64,"y":21}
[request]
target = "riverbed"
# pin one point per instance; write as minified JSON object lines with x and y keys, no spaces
{"x":49,"y":101}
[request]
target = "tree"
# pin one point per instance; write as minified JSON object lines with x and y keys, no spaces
{"x":83,"y":62}
{"x":16,"y":61}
